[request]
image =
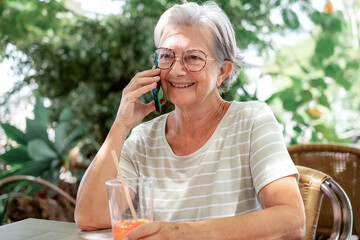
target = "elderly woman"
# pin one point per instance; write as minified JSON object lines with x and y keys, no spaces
{"x":225,"y":162}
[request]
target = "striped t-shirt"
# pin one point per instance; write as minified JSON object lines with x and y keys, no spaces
{"x":220,"y":179}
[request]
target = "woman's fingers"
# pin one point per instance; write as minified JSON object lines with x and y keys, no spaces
{"x":146,"y":77}
{"x":162,"y":230}
{"x":142,"y":82}
{"x":137,"y":83}
{"x":135,"y":93}
{"x":143,"y":231}
{"x":150,"y":72}
{"x":131,"y":110}
{"x":142,"y":79}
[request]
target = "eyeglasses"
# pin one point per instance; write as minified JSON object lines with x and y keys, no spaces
{"x":194,"y":60}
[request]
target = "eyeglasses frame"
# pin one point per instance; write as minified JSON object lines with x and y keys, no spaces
{"x":182,"y":59}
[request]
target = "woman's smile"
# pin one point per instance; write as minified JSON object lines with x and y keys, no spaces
{"x":181,"y":85}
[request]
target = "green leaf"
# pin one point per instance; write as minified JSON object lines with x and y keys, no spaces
{"x":321,"y":128}
{"x":306,"y":95}
{"x":74,"y":135}
{"x":324,"y":101}
{"x":290,"y":18}
{"x":60,"y":130}
{"x":4,"y":208}
{"x":304,"y":69}
{"x":343,"y":82}
{"x":273,"y":97}
{"x":289,"y":102}
{"x":330,"y":133}
{"x":318,"y":83}
{"x":314,"y":137}
{"x":297,"y":82}
{"x":65,"y":114}
{"x":293,"y":141}
{"x":299,"y":119}
{"x":277,"y":3}
{"x":316,"y":17}
{"x":324,"y":47}
{"x":39,"y":150}
{"x":41,"y":113}
{"x":35,"y":129}
{"x":15,"y":155}
{"x":354,"y":64}
{"x":14,"y":133}
{"x":331,"y":23}
{"x":297,"y":129}
{"x":33,"y":168}
{"x":333,"y":70}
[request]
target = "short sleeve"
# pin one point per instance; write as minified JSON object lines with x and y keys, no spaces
{"x":269,"y":158}
{"x":127,"y":166}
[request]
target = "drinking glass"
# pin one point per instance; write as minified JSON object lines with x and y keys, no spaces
{"x":141,"y":193}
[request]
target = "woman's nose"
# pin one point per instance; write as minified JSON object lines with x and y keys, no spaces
{"x":178,"y":65}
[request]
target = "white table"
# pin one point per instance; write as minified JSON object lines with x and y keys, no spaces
{"x":39,"y":229}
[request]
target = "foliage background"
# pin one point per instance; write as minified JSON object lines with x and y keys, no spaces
{"x":84,"y":63}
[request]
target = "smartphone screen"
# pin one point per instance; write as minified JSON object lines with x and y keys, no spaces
{"x":156,"y":90}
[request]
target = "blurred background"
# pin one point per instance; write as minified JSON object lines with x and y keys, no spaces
{"x":64,"y":63}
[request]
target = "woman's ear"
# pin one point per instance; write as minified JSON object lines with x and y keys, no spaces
{"x":224,"y":71}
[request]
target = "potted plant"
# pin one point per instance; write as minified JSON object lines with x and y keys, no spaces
{"x":33,"y":153}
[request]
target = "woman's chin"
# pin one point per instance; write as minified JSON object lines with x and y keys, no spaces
{"x":182,"y":101}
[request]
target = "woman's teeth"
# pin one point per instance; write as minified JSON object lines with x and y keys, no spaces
{"x":182,"y":85}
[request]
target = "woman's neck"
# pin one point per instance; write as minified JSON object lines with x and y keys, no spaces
{"x":187,"y":131}
{"x":199,"y":118}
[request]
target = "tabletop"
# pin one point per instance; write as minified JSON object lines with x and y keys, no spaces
{"x":41,"y":229}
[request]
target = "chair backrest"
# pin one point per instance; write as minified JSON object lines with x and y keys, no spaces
{"x":342,"y":163}
{"x":310,"y":188}
{"x":313,"y":184}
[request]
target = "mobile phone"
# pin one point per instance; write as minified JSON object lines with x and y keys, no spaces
{"x":156,"y":90}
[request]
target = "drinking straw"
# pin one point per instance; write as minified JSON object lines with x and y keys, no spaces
{"x":127,"y":195}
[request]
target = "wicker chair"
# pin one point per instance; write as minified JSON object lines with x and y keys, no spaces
{"x":313,"y":185}
{"x":341,"y":162}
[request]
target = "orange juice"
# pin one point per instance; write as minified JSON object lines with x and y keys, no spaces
{"x":121,"y":228}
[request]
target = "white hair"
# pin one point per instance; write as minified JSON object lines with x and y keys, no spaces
{"x":212,"y":16}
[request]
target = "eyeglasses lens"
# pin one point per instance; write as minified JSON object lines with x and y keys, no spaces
{"x":194,"y":60}
{"x":165,"y":58}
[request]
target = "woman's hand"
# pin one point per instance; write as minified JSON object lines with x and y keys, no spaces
{"x":163,"y":231}
{"x":91,"y":210}
{"x":131,"y":110}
